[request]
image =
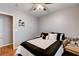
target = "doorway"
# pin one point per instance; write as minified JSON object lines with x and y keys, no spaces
{"x":6,"y":31}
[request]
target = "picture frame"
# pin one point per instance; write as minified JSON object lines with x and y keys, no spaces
{"x":21,"y":23}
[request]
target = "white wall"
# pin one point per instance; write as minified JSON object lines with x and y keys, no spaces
{"x":64,"y":21}
{"x":29,"y":31}
{"x":21,"y":34}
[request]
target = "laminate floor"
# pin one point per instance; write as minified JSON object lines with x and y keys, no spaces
{"x":7,"y":51}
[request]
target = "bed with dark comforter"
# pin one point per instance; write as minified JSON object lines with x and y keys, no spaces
{"x":50,"y":51}
{"x":40,"y":47}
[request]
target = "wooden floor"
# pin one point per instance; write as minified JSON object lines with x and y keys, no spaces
{"x":7,"y":51}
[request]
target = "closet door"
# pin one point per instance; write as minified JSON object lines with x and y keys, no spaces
{"x":7,"y":30}
{"x":0,"y":39}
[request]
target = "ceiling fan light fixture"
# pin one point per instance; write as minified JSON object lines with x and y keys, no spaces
{"x":39,"y":6}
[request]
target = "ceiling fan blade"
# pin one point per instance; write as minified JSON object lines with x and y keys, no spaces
{"x":48,"y":3}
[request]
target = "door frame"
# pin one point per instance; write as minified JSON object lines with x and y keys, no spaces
{"x":13,"y":20}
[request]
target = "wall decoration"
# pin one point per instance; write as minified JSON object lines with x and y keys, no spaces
{"x":21,"y":23}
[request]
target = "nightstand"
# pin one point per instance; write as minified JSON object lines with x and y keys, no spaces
{"x":72,"y":48}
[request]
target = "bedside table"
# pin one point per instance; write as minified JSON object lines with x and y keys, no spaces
{"x":72,"y":49}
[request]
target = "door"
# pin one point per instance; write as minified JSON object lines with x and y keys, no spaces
{"x":0,"y":39}
{"x":7,"y":28}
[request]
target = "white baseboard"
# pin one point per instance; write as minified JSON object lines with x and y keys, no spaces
{"x":6,"y":45}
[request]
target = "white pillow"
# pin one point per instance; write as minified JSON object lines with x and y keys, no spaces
{"x":52,"y":36}
{"x":47,"y":37}
{"x":61,"y":37}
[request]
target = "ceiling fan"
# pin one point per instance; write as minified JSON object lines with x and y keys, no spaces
{"x":36,"y":6}
{"x":40,"y":6}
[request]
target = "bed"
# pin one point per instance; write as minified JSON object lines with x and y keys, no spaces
{"x":41,"y":46}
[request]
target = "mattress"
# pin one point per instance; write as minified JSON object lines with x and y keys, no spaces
{"x":41,"y":43}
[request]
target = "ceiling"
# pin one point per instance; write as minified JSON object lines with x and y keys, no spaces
{"x":27,"y":8}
